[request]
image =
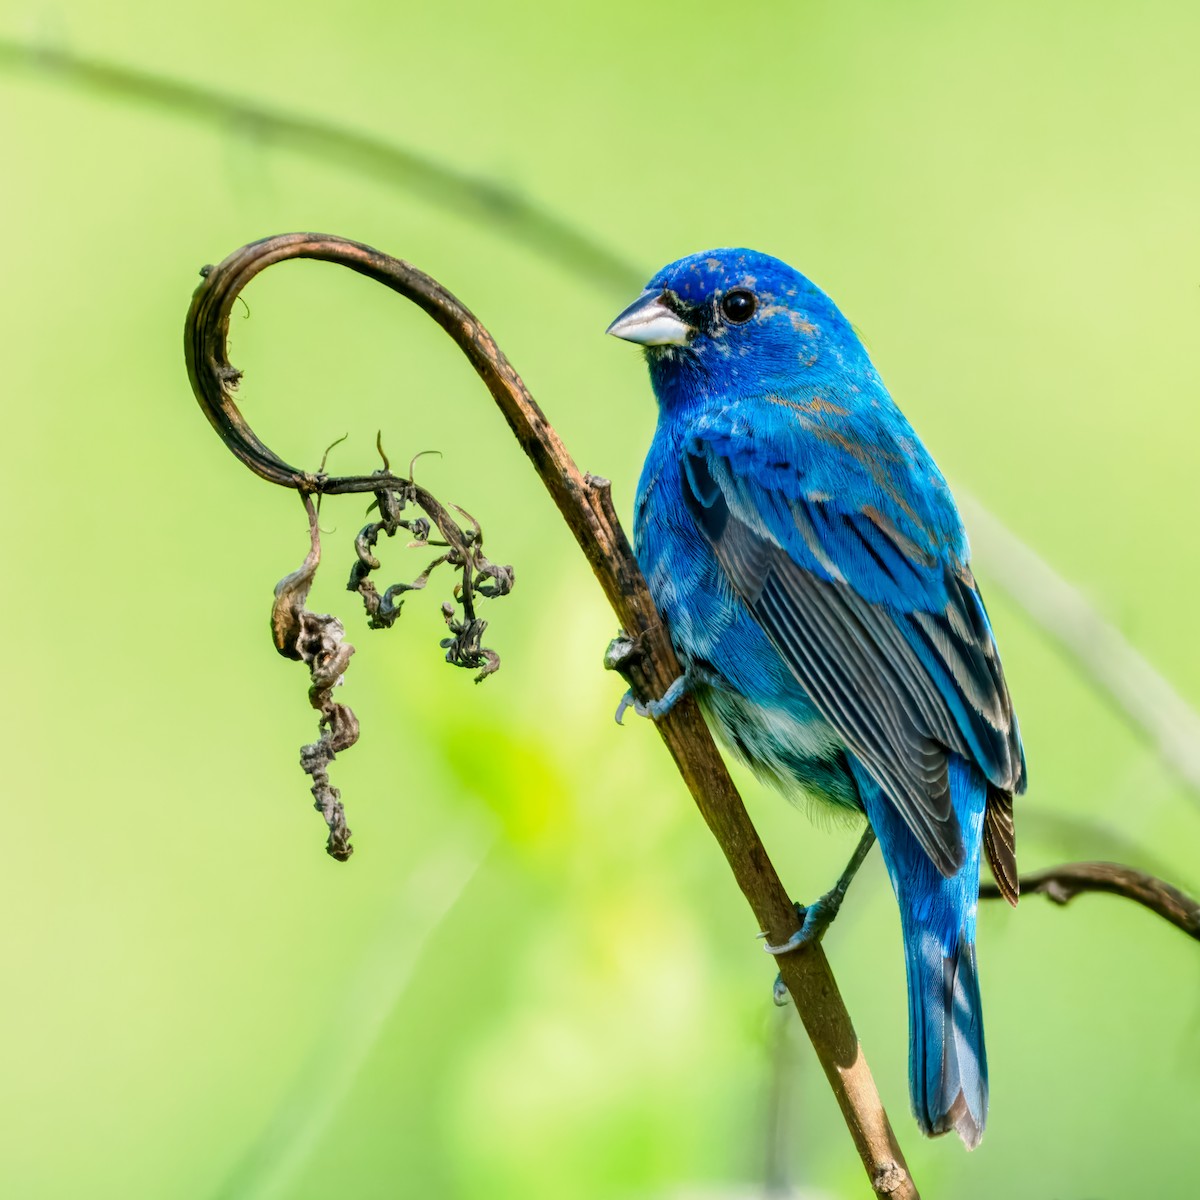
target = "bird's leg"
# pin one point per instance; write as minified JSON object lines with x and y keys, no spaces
{"x":817,"y":917}
{"x":622,"y":651}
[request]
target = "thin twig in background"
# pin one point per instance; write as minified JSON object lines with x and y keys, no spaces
{"x":780,"y":1124}
{"x":586,"y":505}
{"x":1122,"y":674}
{"x":350,"y":1028}
{"x":471,"y":196}
{"x":1063,"y":883}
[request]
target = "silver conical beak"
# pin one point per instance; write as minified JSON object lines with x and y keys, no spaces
{"x":649,"y":322}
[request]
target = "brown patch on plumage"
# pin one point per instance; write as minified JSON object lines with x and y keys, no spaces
{"x":812,"y":405}
{"x":1000,"y":843}
{"x":811,"y":409}
{"x":870,"y":457}
{"x":901,"y":541}
{"x":873,"y":458}
{"x":818,"y":404}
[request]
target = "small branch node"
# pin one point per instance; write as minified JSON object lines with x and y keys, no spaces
{"x":889,"y":1178}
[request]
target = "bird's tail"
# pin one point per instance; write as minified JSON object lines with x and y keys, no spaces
{"x":947,"y":1064}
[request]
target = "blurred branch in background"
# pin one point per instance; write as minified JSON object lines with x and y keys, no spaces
{"x":1120,"y":671}
{"x":470,"y":196}
{"x":1122,"y":674}
{"x":586,"y":505}
{"x":780,"y":1124}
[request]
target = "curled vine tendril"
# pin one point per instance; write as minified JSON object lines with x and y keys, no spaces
{"x":319,"y":639}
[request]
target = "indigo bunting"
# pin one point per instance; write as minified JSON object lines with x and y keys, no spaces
{"x":813,"y":571}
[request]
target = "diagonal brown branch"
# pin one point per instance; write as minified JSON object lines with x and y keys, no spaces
{"x":586,"y":505}
{"x":1063,"y":883}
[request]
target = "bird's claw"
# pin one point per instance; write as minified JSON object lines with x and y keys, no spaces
{"x":779,"y":992}
{"x":629,"y":701}
{"x":815,"y":919}
{"x":653,"y":708}
{"x":623,"y":651}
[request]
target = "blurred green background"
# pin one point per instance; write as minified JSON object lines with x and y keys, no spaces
{"x":536,"y":977}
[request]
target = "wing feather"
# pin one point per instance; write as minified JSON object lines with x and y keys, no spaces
{"x":906,"y":679}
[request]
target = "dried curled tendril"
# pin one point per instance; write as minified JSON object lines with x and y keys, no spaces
{"x":318,"y":639}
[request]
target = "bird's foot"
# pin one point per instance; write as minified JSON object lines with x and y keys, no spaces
{"x":621,"y":653}
{"x":815,"y":919}
{"x":654,"y":708}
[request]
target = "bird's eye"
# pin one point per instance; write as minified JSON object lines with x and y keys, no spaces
{"x":738,"y":306}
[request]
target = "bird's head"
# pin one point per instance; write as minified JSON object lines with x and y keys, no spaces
{"x":737,"y":320}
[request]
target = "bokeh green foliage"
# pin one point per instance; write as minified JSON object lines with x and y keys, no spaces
{"x":567,"y":1001}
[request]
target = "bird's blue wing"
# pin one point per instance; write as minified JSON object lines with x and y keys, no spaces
{"x":879,"y":620}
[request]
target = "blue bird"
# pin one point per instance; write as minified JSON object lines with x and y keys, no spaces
{"x":813,"y":571}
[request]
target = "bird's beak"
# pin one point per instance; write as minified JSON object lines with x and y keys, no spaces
{"x":649,"y":322}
